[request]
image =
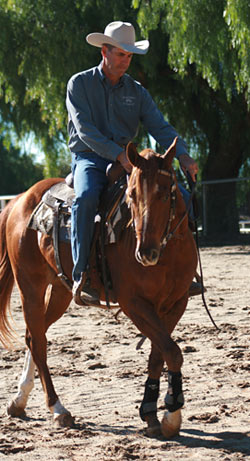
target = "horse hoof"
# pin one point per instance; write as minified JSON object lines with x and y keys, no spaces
{"x":13,"y":410}
{"x":64,"y":420}
{"x":154,"y":431}
{"x":154,"y":426}
{"x":171,"y":424}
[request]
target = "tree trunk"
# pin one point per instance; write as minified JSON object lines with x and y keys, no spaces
{"x":226,"y":127}
{"x":221,"y":211}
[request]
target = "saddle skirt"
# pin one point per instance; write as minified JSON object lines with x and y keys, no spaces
{"x":58,"y":201}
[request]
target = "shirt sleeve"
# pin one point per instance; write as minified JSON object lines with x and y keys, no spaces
{"x":158,"y":127}
{"x":80,"y":113}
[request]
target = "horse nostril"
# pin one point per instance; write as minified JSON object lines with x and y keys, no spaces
{"x":147,"y":257}
{"x":154,"y":255}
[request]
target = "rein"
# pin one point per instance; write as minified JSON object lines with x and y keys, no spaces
{"x":168,"y":235}
{"x":192,"y":186}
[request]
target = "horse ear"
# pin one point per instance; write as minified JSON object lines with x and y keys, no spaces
{"x":170,"y":153}
{"x":133,"y":157}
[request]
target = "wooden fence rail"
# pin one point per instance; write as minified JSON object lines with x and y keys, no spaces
{"x":4,"y":199}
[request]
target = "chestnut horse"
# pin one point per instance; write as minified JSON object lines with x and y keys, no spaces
{"x":156,"y":256}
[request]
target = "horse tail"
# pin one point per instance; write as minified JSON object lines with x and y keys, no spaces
{"x":6,"y":281}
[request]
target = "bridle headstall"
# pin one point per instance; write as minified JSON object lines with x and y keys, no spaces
{"x":167,"y":235}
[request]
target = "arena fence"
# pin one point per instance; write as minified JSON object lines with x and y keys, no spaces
{"x":4,"y":199}
{"x":242,"y":191}
{"x":202,"y":192}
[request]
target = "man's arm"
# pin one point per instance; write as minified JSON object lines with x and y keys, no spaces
{"x":164,"y":134}
{"x":81,"y":119}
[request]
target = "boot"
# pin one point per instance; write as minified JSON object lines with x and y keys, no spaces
{"x":83,"y":293}
{"x":196,"y":288}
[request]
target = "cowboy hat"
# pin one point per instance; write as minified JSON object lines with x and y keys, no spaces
{"x":121,"y":35}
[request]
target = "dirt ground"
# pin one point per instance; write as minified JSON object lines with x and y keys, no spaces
{"x":99,"y":376}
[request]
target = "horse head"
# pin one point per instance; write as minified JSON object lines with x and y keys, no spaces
{"x":151,"y":195}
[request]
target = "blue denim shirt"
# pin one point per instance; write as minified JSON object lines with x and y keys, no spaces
{"x":102,"y":117}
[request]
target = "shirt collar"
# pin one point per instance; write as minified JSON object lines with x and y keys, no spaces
{"x":101,"y":73}
{"x":104,"y":79}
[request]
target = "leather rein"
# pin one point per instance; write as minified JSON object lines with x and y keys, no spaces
{"x":167,"y":235}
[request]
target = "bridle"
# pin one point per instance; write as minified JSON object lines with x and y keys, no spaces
{"x":167,"y":235}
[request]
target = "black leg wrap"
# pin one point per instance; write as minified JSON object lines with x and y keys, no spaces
{"x":151,"y":394}
{"x":174,"y":398}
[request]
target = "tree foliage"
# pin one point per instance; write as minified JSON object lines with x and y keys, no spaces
{"x":18,"y":171}
{"x":209,"y":56}
{"x":197,"y":70}
{"x":42,"y":44}
{"x":212,"y":34}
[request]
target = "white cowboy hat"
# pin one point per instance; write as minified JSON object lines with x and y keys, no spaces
{"x":121,"y":35}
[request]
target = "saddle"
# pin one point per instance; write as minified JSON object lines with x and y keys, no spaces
{"x":52,"y":216}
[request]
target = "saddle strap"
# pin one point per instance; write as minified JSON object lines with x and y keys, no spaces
{"x":55,"y":235}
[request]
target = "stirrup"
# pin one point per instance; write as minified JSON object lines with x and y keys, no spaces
{"x":84,"y":294}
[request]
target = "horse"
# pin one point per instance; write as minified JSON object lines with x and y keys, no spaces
{"x":152,"y":266}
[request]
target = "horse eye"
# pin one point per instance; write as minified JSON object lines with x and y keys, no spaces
{"x":162,"y":190}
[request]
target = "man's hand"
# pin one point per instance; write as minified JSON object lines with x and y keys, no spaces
{"x":122,"y":158}
{"x":188,"y":164}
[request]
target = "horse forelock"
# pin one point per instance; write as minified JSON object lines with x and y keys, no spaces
{"x":145,"y":174}
{"x":143,"y":186}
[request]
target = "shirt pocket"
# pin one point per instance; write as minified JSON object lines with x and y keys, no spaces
{"x":128,"y":104}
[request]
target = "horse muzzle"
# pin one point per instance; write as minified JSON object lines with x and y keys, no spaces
{"x":147,"y":256}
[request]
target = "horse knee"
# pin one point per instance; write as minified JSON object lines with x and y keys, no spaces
{"x":155,"y":364}
{"x":175,"y":357}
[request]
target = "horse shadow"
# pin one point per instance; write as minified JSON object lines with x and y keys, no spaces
{"x":233,"y":442}
{"x":230,"y":441}
{"x":95,"y":429}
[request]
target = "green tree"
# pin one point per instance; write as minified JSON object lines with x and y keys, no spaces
{"x":18,"y":171}
{"x":197,"y":69}
{"x":42,"y":44}
{"x":208,"y":55}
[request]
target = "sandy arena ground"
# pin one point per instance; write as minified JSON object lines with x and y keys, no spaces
{"x":99,"y":376}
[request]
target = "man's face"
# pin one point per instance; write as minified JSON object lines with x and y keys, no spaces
{"x":116,"y":61}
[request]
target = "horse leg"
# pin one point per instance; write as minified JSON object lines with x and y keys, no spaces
{"x":55,"y":309}
{"x":174,"y":400}
{"x":39,"y":316}
{"x":148,"y":408}
{"x":171,"y":421}
{"x":17,"y":405}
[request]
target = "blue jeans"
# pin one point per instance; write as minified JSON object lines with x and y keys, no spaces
{"x":89,"y":171}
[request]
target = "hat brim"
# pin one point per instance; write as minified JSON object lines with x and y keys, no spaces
{"x":98,"y":39}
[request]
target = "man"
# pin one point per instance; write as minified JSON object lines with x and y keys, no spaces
{"x":105,"y":106}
